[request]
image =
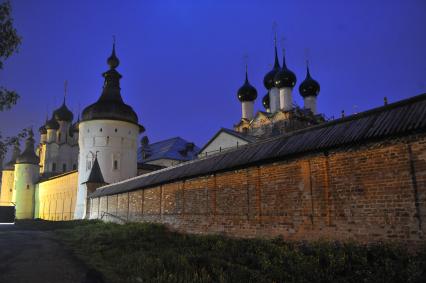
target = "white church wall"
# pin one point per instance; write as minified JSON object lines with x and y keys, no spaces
{"x":222,"y":142}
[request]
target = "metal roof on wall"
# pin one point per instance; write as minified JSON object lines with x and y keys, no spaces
{"x":396,"y":119}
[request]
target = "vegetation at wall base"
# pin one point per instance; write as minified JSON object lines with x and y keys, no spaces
{"x":139,"y":252}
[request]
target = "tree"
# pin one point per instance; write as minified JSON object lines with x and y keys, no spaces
{"x":9,"y":43}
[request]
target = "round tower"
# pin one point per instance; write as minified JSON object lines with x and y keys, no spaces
{"x":268,"y":81}
{"x":8,"y":176}
{"x":108,"y":131}
{"x":309,"y":90}
{"x":247,"y":94}
{"x":285,"y":80}
{"x":25,"y":178}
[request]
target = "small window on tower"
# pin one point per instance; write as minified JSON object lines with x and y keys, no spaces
{"x":53,"y":167}
{"x":28,"y":187}
{"x":64,"y":167}
{"x":115,"y":130}
{"x":89,"y":165}
{"x":115,"y":164}
{"x":100,"y":130}
{"x":74,"y":167}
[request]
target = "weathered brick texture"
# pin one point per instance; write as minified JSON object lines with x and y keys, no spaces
{"x":365,"y":193}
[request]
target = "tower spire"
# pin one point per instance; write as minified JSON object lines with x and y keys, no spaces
{"x":111,"y":89}
{"x":284,"y":64}
{"x":65,"y":90}
{"x":113,"y":61}
{"x":276,"y":62}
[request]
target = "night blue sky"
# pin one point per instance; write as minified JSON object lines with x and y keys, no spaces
{"x":182,"y":61}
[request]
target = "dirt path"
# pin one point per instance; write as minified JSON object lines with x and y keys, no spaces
{"x":36,"y":256}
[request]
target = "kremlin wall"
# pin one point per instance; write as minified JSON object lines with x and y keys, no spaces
{"x":360,"y":178}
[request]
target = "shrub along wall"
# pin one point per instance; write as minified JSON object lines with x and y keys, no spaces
{"x":370,"y":192}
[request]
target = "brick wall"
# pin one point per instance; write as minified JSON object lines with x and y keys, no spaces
{"x":370,"y":192}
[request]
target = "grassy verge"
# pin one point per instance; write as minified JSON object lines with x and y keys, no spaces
{"x":152,"y":253}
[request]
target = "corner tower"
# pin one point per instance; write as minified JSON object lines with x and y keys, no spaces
{"x":25,"y":178}
{"x":108,"y":131}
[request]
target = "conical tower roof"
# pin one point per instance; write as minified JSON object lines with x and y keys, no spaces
{"x":10,"y":165}
{"x":110,"y":105}
{"x":28,"y":155}
{"x":95,"y":175}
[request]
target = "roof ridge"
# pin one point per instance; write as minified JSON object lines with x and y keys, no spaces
{"x":410,"y":119}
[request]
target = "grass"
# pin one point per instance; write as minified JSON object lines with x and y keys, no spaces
{"x":152,"y":253}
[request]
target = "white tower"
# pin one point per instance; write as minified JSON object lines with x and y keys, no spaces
{"x":309,"y":90}
{"x":247,"y":94}
{"x":285,"y":80}
{"x":108,"y":131}
{"x":25,"y":177}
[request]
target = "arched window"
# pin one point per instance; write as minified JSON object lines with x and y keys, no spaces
{"x":53,"y":167}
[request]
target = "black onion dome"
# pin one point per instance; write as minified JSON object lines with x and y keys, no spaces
{"x":28,"y":155}
{"x":63,"y":113}
{"x":265,"y":101}
{"x":16,"y":152}
{"x":268,"y":80}
{"x":285,"y":77}
{"x":52,"y":124}
{"x":110,"y":105}
{"x":247,"y":92}
{"x":42,"y":130}
{"x":309,"y":87}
